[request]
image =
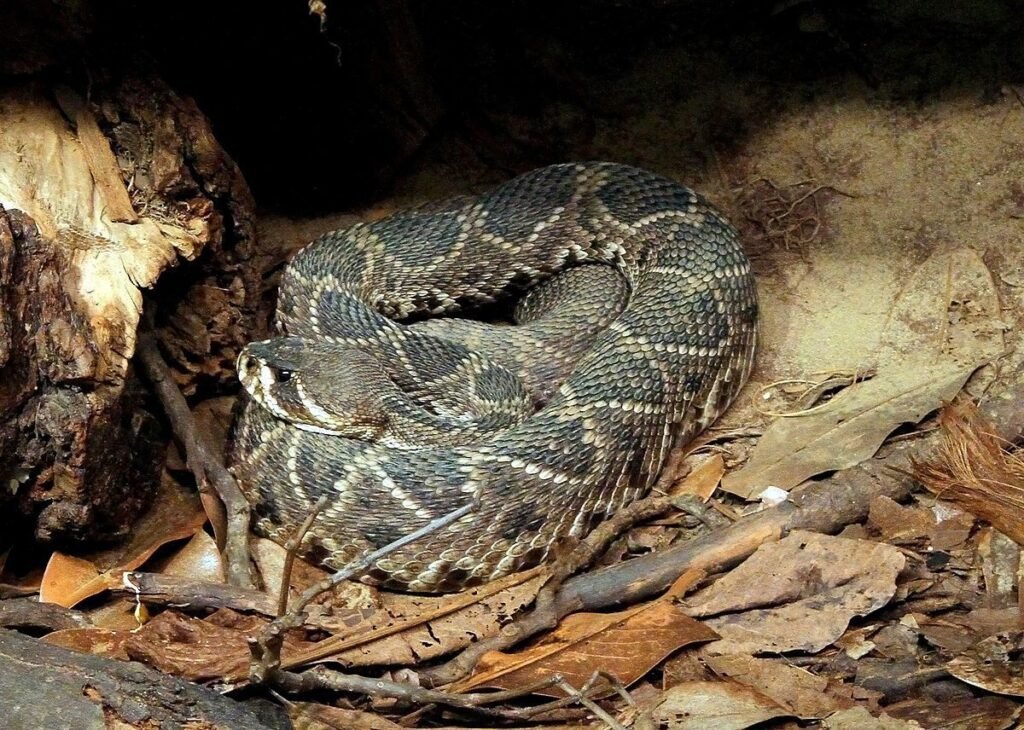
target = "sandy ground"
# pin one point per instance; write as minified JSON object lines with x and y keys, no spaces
{"x":905,"y":221}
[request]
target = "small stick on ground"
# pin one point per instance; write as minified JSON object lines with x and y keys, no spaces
{"x":266,"y":650}
{"x":162,"y":589}
{"x":321,"y":678}
{"x":547,"y":610}
{"x":209,"y":470}
{"x":582,"y":698}
{"x":291,"y":549}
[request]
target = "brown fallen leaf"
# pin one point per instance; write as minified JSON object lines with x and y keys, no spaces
{"x":963,"y":713}
{"x":718,"y":705}
{"x":1000,"y":564}
{"x":801,"y":693}
{"x":310,"y":716}
{"x":175,"y":515}
{"x":92,"y":640}
{"x":857,"y":718}
{"x":120,"y":614}
{"x":201,"y":649}
{"x":407,"y":629}
{"x":900,"y":523}
{"x":199,"y":560}
{"x":994,"y":664}
{"x":213,"y":419}
{"x":703,"y":480}
{"x":626,"y":644}
{"x":949,"y":308}
{"x":69,"y":580}
{"x":945,"y":632}
{"x":798,"y":594}
{"x":847,"y":430}
{"x":953,"y":528}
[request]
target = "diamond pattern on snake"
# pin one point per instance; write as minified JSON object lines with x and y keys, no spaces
{"x":537,"y":350}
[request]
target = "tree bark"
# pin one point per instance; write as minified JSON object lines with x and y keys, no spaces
{"x":98,"y":200}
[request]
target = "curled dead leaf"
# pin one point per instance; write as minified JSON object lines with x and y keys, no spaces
{"x":798,"y":594}
{"x":626,"y":644}
{"x":719,"y":705}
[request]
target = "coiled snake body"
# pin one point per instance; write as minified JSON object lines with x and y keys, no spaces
{"x":636,"y":326}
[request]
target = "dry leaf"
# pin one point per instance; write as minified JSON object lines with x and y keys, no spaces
{"x":175,"y":515}
{"x":407,"y":629}
{"x":92,"y":640}
{"x":703,"y":480}
{"x":953,"y":528}
{"x":958,"y":713}
{"x":702,"y":705}
{"x":213,"y":419}
{"x":801,"y":693}
{"x":994,"y":664}
{"x":949,"y":309}
{"x":626,"y":644}
{"x":201,"y":649}
{"x":847,"y":430}
{"x":119,"y":614}
{"x":198,"y":560}
{"x":798,"y":594}
{"x":855,"y":642}
{"x":1000,"y":564}
{"x":900,"y":523}
{"x":69,"y":580}
{"x":857,"y":718}
{"x":310,"y":716}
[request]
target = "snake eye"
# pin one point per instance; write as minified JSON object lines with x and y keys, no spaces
{"x":282,"y":375}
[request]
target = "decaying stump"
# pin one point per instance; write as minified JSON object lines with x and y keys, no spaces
{"x":98,"y":199}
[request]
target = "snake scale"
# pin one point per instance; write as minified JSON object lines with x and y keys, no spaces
{"x":635,"y":307}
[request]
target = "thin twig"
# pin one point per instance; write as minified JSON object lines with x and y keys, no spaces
{"x":169,"y":590}
{"x":547,"y":611}
{"x":209,"y":470}
{"x":322,"y":678}
{"x":580,"y":697}
{"x":266,"y":650}
{"x":360,"y":566}
{"x":358,"y":635}
{"x":291,"y":549}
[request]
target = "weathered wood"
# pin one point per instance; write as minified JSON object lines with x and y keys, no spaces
{"x":46,"y":686}
{"x":28,"y":613}
{"x":98,"y":199}
{"x":77,"y":454}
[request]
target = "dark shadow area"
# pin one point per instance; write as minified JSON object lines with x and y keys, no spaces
{"x":320,"y":119}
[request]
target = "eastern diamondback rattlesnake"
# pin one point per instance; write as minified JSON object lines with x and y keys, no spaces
{"x":636,"y":327}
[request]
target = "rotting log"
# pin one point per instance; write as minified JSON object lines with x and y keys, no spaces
{"x":99,"y":199}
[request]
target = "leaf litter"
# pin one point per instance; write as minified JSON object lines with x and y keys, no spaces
{"x":831,"y":628}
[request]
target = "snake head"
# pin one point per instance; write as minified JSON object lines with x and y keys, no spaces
{"x":325,"y":388}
